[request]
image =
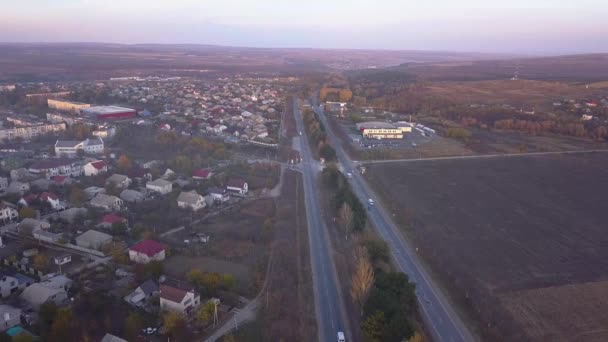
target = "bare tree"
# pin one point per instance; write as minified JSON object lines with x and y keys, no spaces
{"x":363,"y":278}
{"x":346,"y":219}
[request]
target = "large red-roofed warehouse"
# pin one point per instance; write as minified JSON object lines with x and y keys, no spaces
{"x":147,"y":250}
{"x":109,"y":112}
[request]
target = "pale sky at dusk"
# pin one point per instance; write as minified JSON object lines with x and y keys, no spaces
{"x":516,"y":26}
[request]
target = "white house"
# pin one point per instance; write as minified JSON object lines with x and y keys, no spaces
{"x":8,"y":285}
{"x":107,"y":202}
{"x":38,"y":294}
{"x":65,"y":148}
{"x":119,"y":181}
{"x":9,"y":317}
{"x":146,"y":251}
{"x":178,"y":299}
{"x":238,"y":186}
{"x":191,"y":200}
{"x":93,"y":239}
{"x":93,"y":146}
{"x":219,"y":194}
{"x":56,"y":167}
{"x":17,"y":187}
{"x":8,"y":212}
{"x":160,"y":185}
{"x":52,"y":200}
{"x":94,"y":168}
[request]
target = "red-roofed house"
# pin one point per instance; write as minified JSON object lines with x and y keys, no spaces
{"x":60,"y":180}
{"x":202,"y":174}
{"x":109,"y":219}
{"x":51,"y":199}
{"x":237,"y":185}
{"x":178,"y":299}
{"x":95,"y":168}
{"x":146,"y":251}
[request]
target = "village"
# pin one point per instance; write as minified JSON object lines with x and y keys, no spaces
{"x":88,"y":210}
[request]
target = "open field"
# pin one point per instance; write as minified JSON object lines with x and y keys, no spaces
{"x":518,"y":243}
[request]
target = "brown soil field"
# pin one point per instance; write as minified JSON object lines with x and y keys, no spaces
{"x":518,"y":243}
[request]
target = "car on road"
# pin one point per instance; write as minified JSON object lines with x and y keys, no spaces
{"x":300,"y":132}
{"x":341,"y":337}
{"x":349,"y":175}
{"x":370,"y":201}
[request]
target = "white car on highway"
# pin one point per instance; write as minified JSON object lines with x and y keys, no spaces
{"x":370,"y":201}
{"x":341,"y":337}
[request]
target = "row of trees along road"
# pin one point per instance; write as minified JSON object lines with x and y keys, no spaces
{"x":318,"y":136}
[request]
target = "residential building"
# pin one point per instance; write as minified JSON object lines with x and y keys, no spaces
{"x":93,"y":191}
{"x":93,"y":146}
{"x":191,"y":200}
{"x":104,"y":132}
{"x":16,"y":187}
{"x":56,"y":167}
{"x":93,"y":239}
{"x":30,"y":132}
{"x":70,"y":215}
{"x":146,"y":251}
{"x":110,"y":219}
{"x":38,"y":294}
{"x":182,"y":299}
{"x":107,"y":202}
{"x":29,"y":225}
{"x":160,"y":185}
{"x":8,"y":285}
{"x":59,"y":282}
{"x":9,"y":317}
{"x":46,"y":236}
{"x":132,"y":196}
{"x":111,"y":338}
{"x":219,"y":194}
{"x":119,"y":181}
{"x":67,"y":106}
{"x":202,"y":174}
{"x":70,"y":148}
{"x":8,"y":212}
{"x":237,"y":185}
{"x":3,"y":184}
{"x":142,"y":293}
{"x":94,"y":168}
{"x":52,"y":200}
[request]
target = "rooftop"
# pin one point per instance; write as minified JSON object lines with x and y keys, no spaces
{"x":148,"y":247}
{"x":106,"y":110}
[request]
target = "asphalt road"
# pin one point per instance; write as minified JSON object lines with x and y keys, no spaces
{"x":441,"y":319}
{"x":329,"y":307}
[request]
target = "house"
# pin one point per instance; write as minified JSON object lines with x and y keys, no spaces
{"x":29,"y":200}
{"x":64,"y":148}
{"x":44,"y":235}
{"x":24,"y":281}
{"x":119,"y":181}
{"x":142,"y":293}
{"x":94,"y":168}
{"x":111,"y":338}
{"x":237,"y":185}
{"x":93,"y":146}
{"x":106,"y":202}
{"x":38,"y":294}
{"x":202,"y":174}
{"x":70,"y":215}
{"x":56,"y":167}
{"x":59,"y":282}
{"x":8,"y":285}
{"x":93,"y":191}
{"x":219,"y":194}
{"x":29,"y":225}
{"x":16,"y":187}
{"x":62,"y":259}
{"x":42,"y":184}
{"x":110,"y":219}
{"x":160,"y":185}
{"x":52,"y":200}
{"x":181,"y":299}
{"x":3,"y":184}
{"x":9,"y":317}
{"x":147,"y":251}
{"x":93,"y":239}
{"x":191,"y":200}
{"x":132,"y":196}
{"x":61,"y":180}
{"x":8,"y":212}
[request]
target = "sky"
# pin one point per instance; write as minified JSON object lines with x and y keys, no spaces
{"x":515,"y":26}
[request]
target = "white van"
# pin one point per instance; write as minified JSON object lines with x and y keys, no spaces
{"x":341,"y":337}
{"x":370,"y":201}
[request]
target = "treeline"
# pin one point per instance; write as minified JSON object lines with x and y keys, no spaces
{"x":351,"y":212}
{"x":530,"y":124}
{"x":318,"y":136}
{"x":335,"y":94}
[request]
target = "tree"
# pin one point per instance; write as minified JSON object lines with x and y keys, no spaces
{"x":118,"y":255}
{"x":377,"y":249}
{"x":27,"y":212}
{"x":346,"y":219}
{"x":77,"y":196}
{"x":60,"y":330}
{"x":124,"y":163}
{"x":23,"y":337}
{"x":41,"y":261}
{"x":205,"y":313}
{"x":363,"y":278}
{"x":133,"y":325}
{"x":153,"y":269}
{"x":173,"y":322}
{"x":374,"y":326}
{"x":119,"y":228}
{"x":229,"y":338}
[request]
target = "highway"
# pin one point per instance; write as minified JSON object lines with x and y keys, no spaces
{"x":330,"y":311}
{"x":442,"y":321}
